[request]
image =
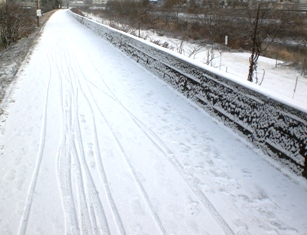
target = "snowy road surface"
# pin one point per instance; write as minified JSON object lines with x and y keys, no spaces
{"x":91,"y":143}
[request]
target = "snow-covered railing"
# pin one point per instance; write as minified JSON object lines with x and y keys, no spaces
{"x":276,"y":127}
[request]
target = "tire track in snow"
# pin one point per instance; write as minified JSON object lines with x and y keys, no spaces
{"x":101,"y":170}
{"x":87,"y":220}
{"x":85,"y":180}
{"x":67,"y":154}
{"x":132,"y":170}
{"x":84,"y":213}
{"x":39,"y":157}
{"x":84,"y":221}
{"x":170,"y":156}
{"x":95,"y":204}
{"x":64,"y":161}
{"x":139,"y":184}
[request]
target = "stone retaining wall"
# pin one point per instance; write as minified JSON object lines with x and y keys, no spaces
{"x":279,"y":129}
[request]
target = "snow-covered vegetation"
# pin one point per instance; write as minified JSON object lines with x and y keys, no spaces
{"x":274,"y":76}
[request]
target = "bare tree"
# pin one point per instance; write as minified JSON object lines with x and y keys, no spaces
{"x":256,"y":49}
{"x":15,"y":22}
{"x":174,"y":6}
{"x":265,"y":28}
{"x":194,"y":50}
{"x":210,"y":22}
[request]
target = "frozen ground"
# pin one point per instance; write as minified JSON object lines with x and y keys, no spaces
{"x":91,"y":143}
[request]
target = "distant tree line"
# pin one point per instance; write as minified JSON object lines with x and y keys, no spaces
{"x":262,"y":32}
{"x":48,"y":5}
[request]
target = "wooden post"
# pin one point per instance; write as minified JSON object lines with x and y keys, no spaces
{"x":37,"y":11}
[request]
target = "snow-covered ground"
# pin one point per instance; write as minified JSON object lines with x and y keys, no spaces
{"x":12,"y":57}
{"x":91,"y":143}
{"x":279,"y":80}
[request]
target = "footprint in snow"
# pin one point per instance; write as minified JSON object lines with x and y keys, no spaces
{"x":10,"y":175}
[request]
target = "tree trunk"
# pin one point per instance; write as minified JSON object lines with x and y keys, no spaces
{"x":254,"y":58}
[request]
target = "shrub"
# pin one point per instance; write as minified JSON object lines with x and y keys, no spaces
{"x":15,"y":23}
{"x":77,"y":11}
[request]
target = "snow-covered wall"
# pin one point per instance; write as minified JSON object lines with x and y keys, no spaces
{"x":276,"y":127}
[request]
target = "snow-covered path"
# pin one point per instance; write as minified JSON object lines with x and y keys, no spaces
{"x":91,"y":143}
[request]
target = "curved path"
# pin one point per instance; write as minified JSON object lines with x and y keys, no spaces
{"x":91,"y":143}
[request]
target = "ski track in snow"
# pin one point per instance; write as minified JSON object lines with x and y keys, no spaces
{"x":100,"y":168}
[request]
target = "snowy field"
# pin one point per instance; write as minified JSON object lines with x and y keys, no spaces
{"x":91,"y":143}
{"x":280,"y":80}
